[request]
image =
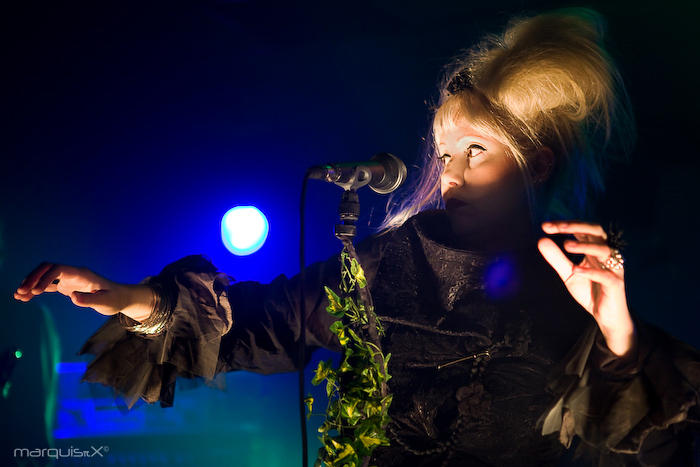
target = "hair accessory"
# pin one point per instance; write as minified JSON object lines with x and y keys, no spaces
{"x":460,"y":82}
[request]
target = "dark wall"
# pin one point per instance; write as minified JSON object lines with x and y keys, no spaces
{"x":131,"y":127}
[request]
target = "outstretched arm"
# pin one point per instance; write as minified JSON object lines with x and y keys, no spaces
{"x":214,"y":325}
{"x":88,"y":289}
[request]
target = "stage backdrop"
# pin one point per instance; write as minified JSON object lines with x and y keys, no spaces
{"x":131,"y":127}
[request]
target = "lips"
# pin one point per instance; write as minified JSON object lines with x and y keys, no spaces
{"x":453,"y":203}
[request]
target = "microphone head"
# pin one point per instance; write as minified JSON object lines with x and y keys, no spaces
{"x":394,"y":173}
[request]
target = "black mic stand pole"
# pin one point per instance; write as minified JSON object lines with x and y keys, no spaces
{"x":346,"y":231}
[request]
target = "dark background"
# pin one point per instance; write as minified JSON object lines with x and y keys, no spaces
{"x":131,"y":127}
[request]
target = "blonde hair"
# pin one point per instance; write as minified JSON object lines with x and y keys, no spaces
{"x":547,"y":80}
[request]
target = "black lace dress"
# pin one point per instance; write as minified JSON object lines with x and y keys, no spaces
{"x":493,"y":363}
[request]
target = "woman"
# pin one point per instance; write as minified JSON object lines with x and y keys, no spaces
{"x":504,"y":345}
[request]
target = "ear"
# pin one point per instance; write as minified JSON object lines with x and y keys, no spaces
{"x":542,"y":165}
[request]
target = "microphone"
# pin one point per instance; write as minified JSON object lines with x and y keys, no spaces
{"x":383,"y":173}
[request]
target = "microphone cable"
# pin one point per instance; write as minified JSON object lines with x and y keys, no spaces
{"x":302,"y":327}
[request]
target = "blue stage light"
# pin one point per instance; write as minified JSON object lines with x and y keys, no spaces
{"x":501,"y":278}
{"x":244,"y":230}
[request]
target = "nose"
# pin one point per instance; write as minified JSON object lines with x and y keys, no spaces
{"x":453,"y":173}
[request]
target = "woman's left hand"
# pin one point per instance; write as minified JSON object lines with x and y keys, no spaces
{"x":600,"y":291}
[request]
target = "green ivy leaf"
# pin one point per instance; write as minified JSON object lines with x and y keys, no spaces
{"x":358,"y":273}
{"x":323,"y":370}
{"x":355,"y":337}
{"x":336,"y":326}
{"x":325,"y":426}
{"x":309,"y":401}
{"x":345,"y":366}
{"x":335,"y":306}
{"x":348,"y":450}
{"x":356,"y":414}
{"x":369,"y":441}
{"x":349,"y":409}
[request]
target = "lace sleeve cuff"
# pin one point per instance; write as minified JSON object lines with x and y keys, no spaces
{"x":613,"y":406}
{"x":182,"y":338}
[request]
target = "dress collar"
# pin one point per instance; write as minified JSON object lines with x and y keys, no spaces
{"x":433,"y":228}
{"x":514,"y":274}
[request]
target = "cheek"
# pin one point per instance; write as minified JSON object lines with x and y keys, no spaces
{"x":498,"y":180}
{"x":494,"y":175}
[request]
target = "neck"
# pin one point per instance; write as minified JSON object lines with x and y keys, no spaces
{"x":496,"y":237}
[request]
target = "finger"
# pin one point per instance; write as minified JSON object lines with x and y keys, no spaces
{"x":600,"y":251}
{"x":574,"y":227}
{"x":555,"y":257}
{"x":30,"y":281}
{"x":53,"y":286}
{"x":48,"y":277}
{"x":101,"y":301}
{"x":602,"y":276}
{"x":26,"y":296}
{"x":87,"y":298}
{"x":23,"y":297}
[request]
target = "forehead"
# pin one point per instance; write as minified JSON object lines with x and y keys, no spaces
{"x":463,"y":115}
{"x":453,"y":131}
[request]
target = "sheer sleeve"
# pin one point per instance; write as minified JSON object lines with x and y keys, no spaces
{"x":641,"y":406}
{"x":216,"y":325}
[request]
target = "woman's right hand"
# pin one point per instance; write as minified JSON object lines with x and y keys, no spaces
{"x":88,"y":289}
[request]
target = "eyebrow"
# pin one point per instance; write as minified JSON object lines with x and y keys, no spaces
{"x":465,"y":137}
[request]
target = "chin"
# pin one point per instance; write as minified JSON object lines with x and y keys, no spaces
{"x":455,"y":206}
{"x":464,"y":219}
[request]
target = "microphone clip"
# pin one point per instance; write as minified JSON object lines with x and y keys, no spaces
{"x":383,"y":173}
{"x":347,"y":178}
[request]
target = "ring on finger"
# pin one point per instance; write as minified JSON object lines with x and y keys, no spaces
{"x":613,"y":262}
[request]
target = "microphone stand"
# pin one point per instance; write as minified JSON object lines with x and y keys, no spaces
{"x":346,"y":231}
{"x":348,"y":212}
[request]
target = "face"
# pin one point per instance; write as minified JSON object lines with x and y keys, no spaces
{"x":481,"y":184}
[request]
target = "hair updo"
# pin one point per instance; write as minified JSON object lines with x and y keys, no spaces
{"x":547,"y":80}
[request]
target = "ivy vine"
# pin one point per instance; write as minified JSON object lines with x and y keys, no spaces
{"x":358,"y":398}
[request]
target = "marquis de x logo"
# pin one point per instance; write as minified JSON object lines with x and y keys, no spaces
{"x":97,"y":451}
{"x":56,"y":453}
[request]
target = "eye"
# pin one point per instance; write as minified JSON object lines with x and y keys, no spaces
{"x":444,"y":158}
{"x":471,"y":154}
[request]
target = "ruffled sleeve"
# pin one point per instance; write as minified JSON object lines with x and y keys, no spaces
{"x":216,"y":326}
{"x":635,"y":406}
{"x":144,"y":365}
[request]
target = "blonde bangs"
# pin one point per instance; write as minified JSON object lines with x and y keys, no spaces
{"x":467,"y":106}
